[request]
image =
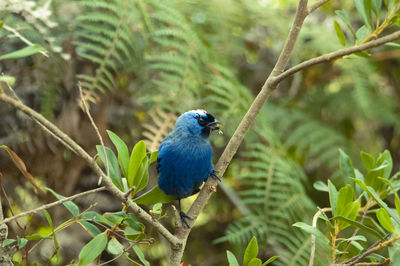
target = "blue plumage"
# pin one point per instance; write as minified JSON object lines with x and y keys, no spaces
{"x":185,"y":157}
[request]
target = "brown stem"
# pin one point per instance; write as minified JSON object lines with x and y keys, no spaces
{"x":56,"y":132}
{"x":47,"y":206}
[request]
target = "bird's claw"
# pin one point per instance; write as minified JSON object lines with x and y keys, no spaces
{"x":213,"y":175}
{"x":183,"y":219}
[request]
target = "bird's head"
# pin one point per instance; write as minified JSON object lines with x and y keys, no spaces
{"x":197,"y":122}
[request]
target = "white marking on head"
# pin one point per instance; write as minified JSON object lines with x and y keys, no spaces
{"x":198,"y":111}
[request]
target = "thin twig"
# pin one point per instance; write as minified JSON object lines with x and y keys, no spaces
{"x":126,"y":195}
{"x":385,"y":262}
{"x":86,"y":109}
{"x":314,"y":224}
{"x":43,"y":207}
{"x":374,"y":248}
{"x":22,"y":38}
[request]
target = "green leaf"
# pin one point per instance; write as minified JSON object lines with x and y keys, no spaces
{"x":91,"y":215}
{"x":396,"y":196}
{"x":113,"y":165}
{"x":255,"y":262}
{"x":231,"y":259}
{"x":21,"y":242}
{"x":321,"y":186}
{"x":359,"y":225}
{"x":153,"y":157}
{"x":376,"y":7}
{"x":361,"y":34}
{"x":345,"y":196}
{"x":372,"y":178}
{"x":153,"y":196}
{"x":122,"y":149}
{"x":368,"y":160}
{"x":372,"y":193}
{"x":355,"y":238}
{"x":251,"y":251}
{"x":7,"y":79}
{"x":350,"y":212}
{"x":114,"y":247}
{"x":333,"y":195}
{"x":115,"y":217}
{"x":346,"y":167}
{"x":344,"y":18}
{"x":72,"y":207}
{"x":384,"y":219}
{"x":364,"y":10}
{"x":385,"y":159}
{"x":270,"y":260}
{"x":137,"y":156}
{"x":339,"y":33}
{"x":142,"y":176}
{"x":140,"y":255}
{"x":314,"y":231}
{"x":7,"y":242}
{"x":24,"y":52}
{"x":36,"y":236}
{"x":93,"y":230}
{"x":393,"y":44}
{"x":50,"y":221}
{"x":93,"y":249}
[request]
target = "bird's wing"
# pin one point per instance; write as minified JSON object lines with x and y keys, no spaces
{"x":161,"y":152}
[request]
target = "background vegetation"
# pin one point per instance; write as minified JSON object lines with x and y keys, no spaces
{"x":143,"y":62}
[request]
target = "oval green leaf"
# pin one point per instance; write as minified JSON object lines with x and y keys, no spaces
{"x":251,"y":251}
{"x":122,"y":149}
{"x":153,"y":196}
{"x":93,"y":249}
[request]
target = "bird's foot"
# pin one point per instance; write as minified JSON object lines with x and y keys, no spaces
{"x":213,"y":175}
{"x":183,"y":219}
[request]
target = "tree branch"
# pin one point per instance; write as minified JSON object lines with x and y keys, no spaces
{"x":47,"y":206}
{"x":58,"y":134}
{"x":237,"y":138}
{"x":335,"y":55}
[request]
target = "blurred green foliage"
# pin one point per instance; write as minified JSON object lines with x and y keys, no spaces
{"x":149,"y":55}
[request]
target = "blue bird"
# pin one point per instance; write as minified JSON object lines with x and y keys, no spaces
{"x":185,"y":156}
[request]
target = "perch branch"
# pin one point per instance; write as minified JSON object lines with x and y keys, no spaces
{"x":55,"y":131}
{"x":237,"y":138}
{"x":277,"y":75}
{"x":47,"y":206}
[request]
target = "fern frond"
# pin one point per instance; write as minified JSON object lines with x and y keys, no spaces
{"x":105,"y":38}
{"x":272,"y":188}
{"x":161,"y":124}
{"x":307,"y":136}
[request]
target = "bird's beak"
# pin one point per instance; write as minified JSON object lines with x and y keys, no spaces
{"x":214,"y":125}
